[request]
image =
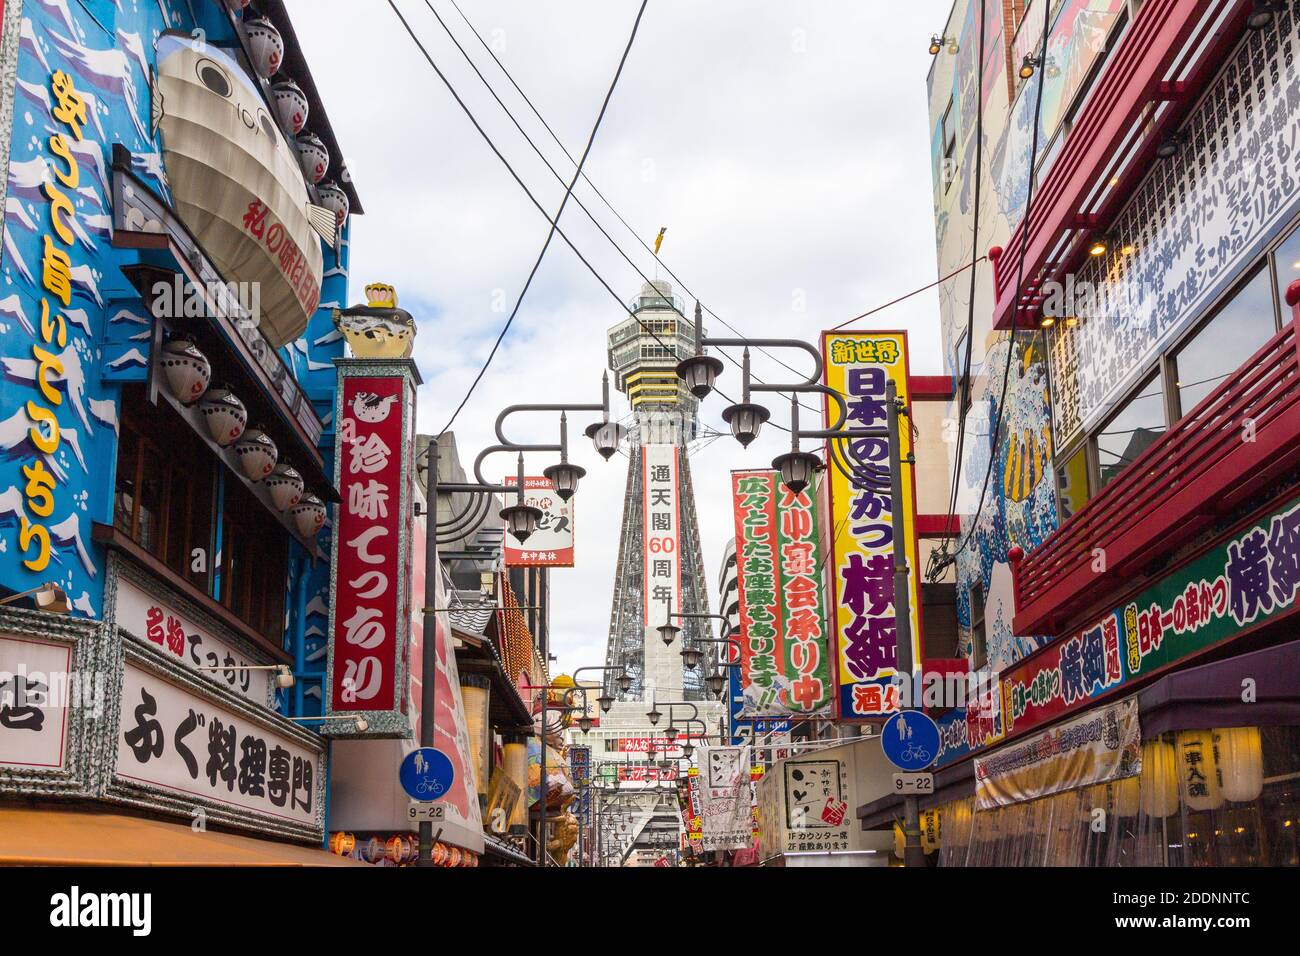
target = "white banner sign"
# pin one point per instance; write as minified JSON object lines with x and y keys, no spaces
{"x":151,"y":620}
{"x":817,"y":806}
{"x":34,"y":686}
{"x":551,"y":544}
{"x":726,"y":798}
{"x":171,"y":738}
{"x":662,"y":540}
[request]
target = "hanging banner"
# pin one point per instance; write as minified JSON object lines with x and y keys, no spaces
{"x":551,"y":544}
{"x":370,"y":568}
{"x":858,"y":366}
{"x":1102,"y":745}
{"x":662,"y":572}
{"x":726,"y":798}
{"x":785,"y":648}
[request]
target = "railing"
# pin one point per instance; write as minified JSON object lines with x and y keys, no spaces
{"x":1242,"y":436}
{"x":1160,"y":35}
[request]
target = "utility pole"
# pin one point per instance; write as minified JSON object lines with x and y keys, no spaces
{"x":913,"y":854}
{"x":429,"y":641}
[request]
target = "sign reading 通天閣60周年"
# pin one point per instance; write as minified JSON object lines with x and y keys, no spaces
{"x":859,"y":365}
{"x":1245,"y":581}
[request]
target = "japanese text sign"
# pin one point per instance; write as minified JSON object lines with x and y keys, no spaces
{"x":785,"y":646}
{"x":858,"y":366}
{"x":370,"y":612}
{"x":662,"y":571}
{"x":551,"y":544}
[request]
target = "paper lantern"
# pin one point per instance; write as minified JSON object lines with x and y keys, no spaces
{"x":265,"y":47}
{"x":1199,"y":783}
{"x":959,"y":818}
{"x":188,"y":370}
{"x":225,"y":415}
{"x":342,"y":843}
{"x":1159,"y":781}
{"x":257,"y":454}
{"x":308,"y":515}
{"x":900,"y":842}
{"x":291,"y":105}
{"x":515,"y":765}
{"x":474,"y":695}
{"x":333,"y":197}
{"x":312,"y":157}
{"x":931,"y":830}
{"x":285,"y":485}
{"x":1241,"y":763}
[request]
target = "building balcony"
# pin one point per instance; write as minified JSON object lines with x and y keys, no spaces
{"x":1231,"y":447}
{"x":1153,"y":77}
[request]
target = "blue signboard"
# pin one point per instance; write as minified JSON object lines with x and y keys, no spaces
{"x":426,"y":774}
{"x":910,"y":740}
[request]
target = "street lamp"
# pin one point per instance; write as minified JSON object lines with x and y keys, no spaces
{"x":605,"y":435}
{"x":624,"y":682}
{"x":584,"y":723}
{"x":606,"y":702}
{"x":690,"y":657}
{"x":716,"y":682}
{"x":667,"y":632}
{"x":653,"y":714}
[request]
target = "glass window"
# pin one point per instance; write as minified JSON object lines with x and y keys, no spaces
{"x":979,"y":645}
{"x":1133,"y":429}
{"x":1243,"y":324}
{"x":1287,"y":258}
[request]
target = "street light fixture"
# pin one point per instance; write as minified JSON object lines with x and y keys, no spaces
{"x":606,"y":702}
{"x":700,"y":373}
{"x":653,"y":714}
{"x":690,"y":657}
{"x":584,"y":723}
{"x":624,"y":682}
{"x":667,"y":632}
{"x":716,"y":682}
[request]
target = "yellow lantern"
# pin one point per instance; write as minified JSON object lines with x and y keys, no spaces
{"x":515,"y":763}
{"x":1159,"y":781}
{"x":1126,"y":796}
{"x":931,"y":830}
{"x":474,"y":695}
{"x":900,"y":841}
{"x":1241,"y":763}
{"x":960,"y":818}
{"x":1199,"y":780}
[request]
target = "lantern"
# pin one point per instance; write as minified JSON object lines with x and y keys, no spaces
{"x":1198,"y":770}
{"x":257,"y":454}
{"x":1241,"y":763}
{"x":312,"y":157}
{"x":797,"y":469}
{"x":474,"y":695}
{"x":290,"y":106}
{"x":342,"y":843}
{"x":1159,"y":781}
{"x":265,"y":47}
{"x":187,"y":369}
{"x":565,"y":477}
{"x":1126,"y":796}
{"x":931,"y":830}
{"x":333,"y":198}
{"x":225,"y":415}
{"x":746,"y":420}
{"x":285,"y":485}
{"x":308,"y":515}
{"x":699,"y":372}
{"x":606,"y":437}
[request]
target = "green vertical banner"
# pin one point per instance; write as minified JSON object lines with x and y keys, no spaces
{"x":785,"y":646}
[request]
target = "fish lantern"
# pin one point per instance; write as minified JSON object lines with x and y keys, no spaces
{"x":332,"y":197}
{"x":187,"y":369}
{"x":285,"y":485}
{"x":378,"y":329}
{"x":290,"y":105}
{"x":237,"y":182}
{"x":225,"y":414}
{"x":312,"y":157}
{"x":265,"y":47}
{"x":342,"y":843}
{"x":257,"y":454}
{"x":308,"y":515}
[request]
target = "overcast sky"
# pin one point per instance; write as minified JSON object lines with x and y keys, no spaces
{"x":785,"y":146}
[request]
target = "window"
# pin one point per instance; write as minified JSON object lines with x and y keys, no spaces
{"x":1240,"y":327}
{"x":1072,"y":482}
{"x":979,"y":648}
{"x":939,"y":602}
{"x":166,"y":499}
{"x":1131,"y":430}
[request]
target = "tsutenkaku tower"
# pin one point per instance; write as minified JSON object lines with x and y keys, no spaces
{"x":659,"y":558}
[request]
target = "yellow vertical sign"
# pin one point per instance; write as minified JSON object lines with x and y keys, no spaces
{"x":858,"y":365}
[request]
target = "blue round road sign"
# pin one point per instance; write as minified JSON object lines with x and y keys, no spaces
{"x":426,"y":774}
{"x":910,"y":740}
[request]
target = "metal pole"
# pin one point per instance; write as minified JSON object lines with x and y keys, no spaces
{"x":541,"y":786}
{"x":913,"y":854}
{"x":429,"y":649}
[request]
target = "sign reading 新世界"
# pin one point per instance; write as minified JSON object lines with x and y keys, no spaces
{"x":662,"y":570}
{"x":859,"y":365}
{"x":1245,"y":581}
{"x":784,"y":648}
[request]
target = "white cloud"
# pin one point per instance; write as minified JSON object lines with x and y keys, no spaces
{"x":782,"y":176}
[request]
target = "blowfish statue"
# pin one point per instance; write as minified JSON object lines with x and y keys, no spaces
{"x":378,"y":329}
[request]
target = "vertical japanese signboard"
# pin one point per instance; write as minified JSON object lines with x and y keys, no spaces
{"x":785,"y":651}
{"x":551,"y":544}
{"x":371,"y":548}
{"x":663,"y":570}
{"x":858,"y":366}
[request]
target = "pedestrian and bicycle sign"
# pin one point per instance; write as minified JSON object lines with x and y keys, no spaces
{"x":910,"y":740}
{"x":426,"y":774}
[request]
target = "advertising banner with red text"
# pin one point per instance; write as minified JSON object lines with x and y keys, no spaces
{"x":551,"y":544}
{"x":785,"y":647}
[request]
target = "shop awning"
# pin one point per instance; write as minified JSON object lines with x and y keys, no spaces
{"x":57,"y":837}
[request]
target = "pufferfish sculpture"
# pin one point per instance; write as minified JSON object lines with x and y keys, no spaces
{"x":378,"y":329}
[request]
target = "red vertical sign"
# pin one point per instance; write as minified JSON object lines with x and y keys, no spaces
{"x":369,"y":619}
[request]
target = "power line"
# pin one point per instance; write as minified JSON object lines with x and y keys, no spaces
{"x":591,"y":139}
